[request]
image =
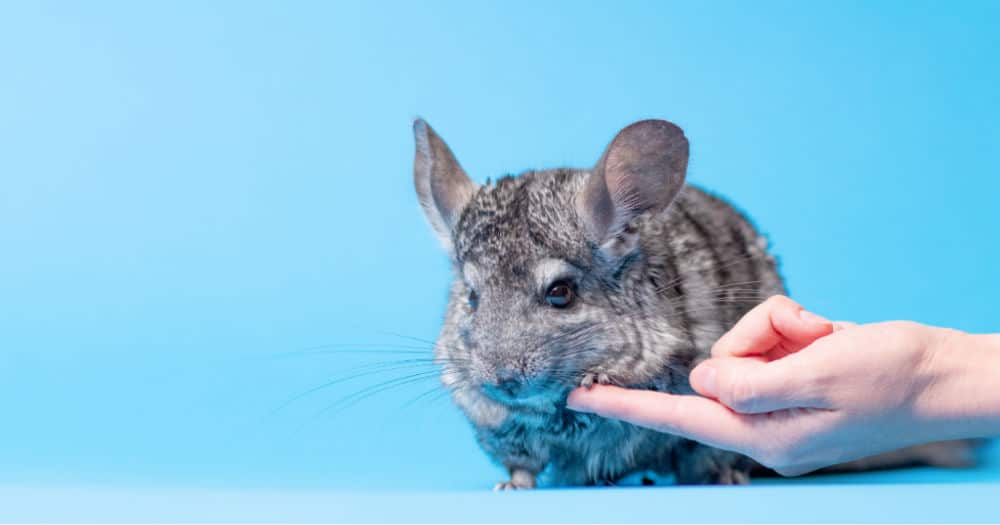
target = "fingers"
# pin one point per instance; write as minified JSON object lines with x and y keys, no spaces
{"x":778,"y":322}
{"x":691,"y":417}
{"x":753,"y":386}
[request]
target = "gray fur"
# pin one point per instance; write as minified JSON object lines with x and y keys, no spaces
{"x":659,"y":276}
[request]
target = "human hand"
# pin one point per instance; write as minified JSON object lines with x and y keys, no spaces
{"x":797,"y":392}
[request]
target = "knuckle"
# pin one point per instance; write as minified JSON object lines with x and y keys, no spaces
{"x":779,"y":300}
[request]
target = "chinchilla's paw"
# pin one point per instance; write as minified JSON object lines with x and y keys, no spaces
{"x":594,"y":378}
{"x":730,"y":476}
{"x":512,"y":485}
{"x":519,"y":480}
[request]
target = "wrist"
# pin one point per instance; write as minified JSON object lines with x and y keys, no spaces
{"x":962,"y":399}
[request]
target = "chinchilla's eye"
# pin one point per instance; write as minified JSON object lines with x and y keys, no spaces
{"x":560,"y":294}
{"x":473,"y":299}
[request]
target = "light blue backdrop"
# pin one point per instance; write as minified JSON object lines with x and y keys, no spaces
{"x":192,"y":192}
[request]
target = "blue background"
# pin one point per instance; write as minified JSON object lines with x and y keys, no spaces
{"x":193,"y":195}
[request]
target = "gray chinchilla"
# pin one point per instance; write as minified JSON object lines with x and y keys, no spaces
{"x":618,"y":274}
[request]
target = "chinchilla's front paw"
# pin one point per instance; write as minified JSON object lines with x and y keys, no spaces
{"x":732,"y":476}
{"x":510,"y":485}
{"x":519,"y":480}
{"x":594,"y":378}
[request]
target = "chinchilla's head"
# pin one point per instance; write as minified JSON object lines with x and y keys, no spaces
{"x":543,"y":293}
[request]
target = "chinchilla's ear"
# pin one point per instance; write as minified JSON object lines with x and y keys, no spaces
{"x":443,"y":188}
{"x":641,"y":171}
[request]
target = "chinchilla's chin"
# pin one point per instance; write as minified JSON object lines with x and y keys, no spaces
{"x":546,"y":398}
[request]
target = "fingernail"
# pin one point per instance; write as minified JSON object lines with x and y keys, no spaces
{"x":810,"y":317}
{"x":705,"y":376}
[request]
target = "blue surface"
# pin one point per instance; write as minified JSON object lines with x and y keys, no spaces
{"x":194,"y":193}
{"x":972,"y":502}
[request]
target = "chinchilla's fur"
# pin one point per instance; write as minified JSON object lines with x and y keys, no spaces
{"x":657,"y":270}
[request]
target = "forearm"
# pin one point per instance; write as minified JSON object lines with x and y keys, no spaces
{"x":964,"y":399}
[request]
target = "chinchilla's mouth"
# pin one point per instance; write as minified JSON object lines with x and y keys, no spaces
{"x":528,"y":396}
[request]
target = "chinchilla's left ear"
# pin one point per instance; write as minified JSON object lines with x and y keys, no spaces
{"x":641,"y":171}
{"x":442,"y":186}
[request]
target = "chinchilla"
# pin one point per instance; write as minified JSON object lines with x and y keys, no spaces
{"x":619,"y":274}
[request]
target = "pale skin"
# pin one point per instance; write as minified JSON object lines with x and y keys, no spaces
{"x":797,"y":393}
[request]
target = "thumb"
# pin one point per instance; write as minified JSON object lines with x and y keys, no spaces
{"x":753,"y":386}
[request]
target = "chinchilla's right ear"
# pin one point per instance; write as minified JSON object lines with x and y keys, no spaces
{"x":641,"y":171}
{"x":442,"y":186}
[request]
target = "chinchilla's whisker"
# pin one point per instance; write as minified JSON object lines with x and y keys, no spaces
{"x":434,"y":345}
{"x":748,"y":287}
{"x":320,"y":353}
{"x":739,"y":291}
{"x":427,"y":394}
{"x":356,"y":397}
{"x":349,"y":348}
{"x":722,"y":293}
{"x":349,"y":400}
{"x":717,"y":301}
{"x":736,"y":298}
{"x":442,"y":394}
{"x":713,"y":293}
{"x":381,"y":366}
{"x":419,"y":346}
{"x":708,"y":308}
{"x":753,"y":282}
{"x":430,"y":361}
{"x":407,"y":346}
{"x":350,"y":351}
{"x":688,"y":303}
{"x":688,"y":291}
{"x":377,"y":387}
{"x":410,"y":337}
{"x":725,"y":266}
{"x":336,"y":381}
{"x":370,"y":345}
